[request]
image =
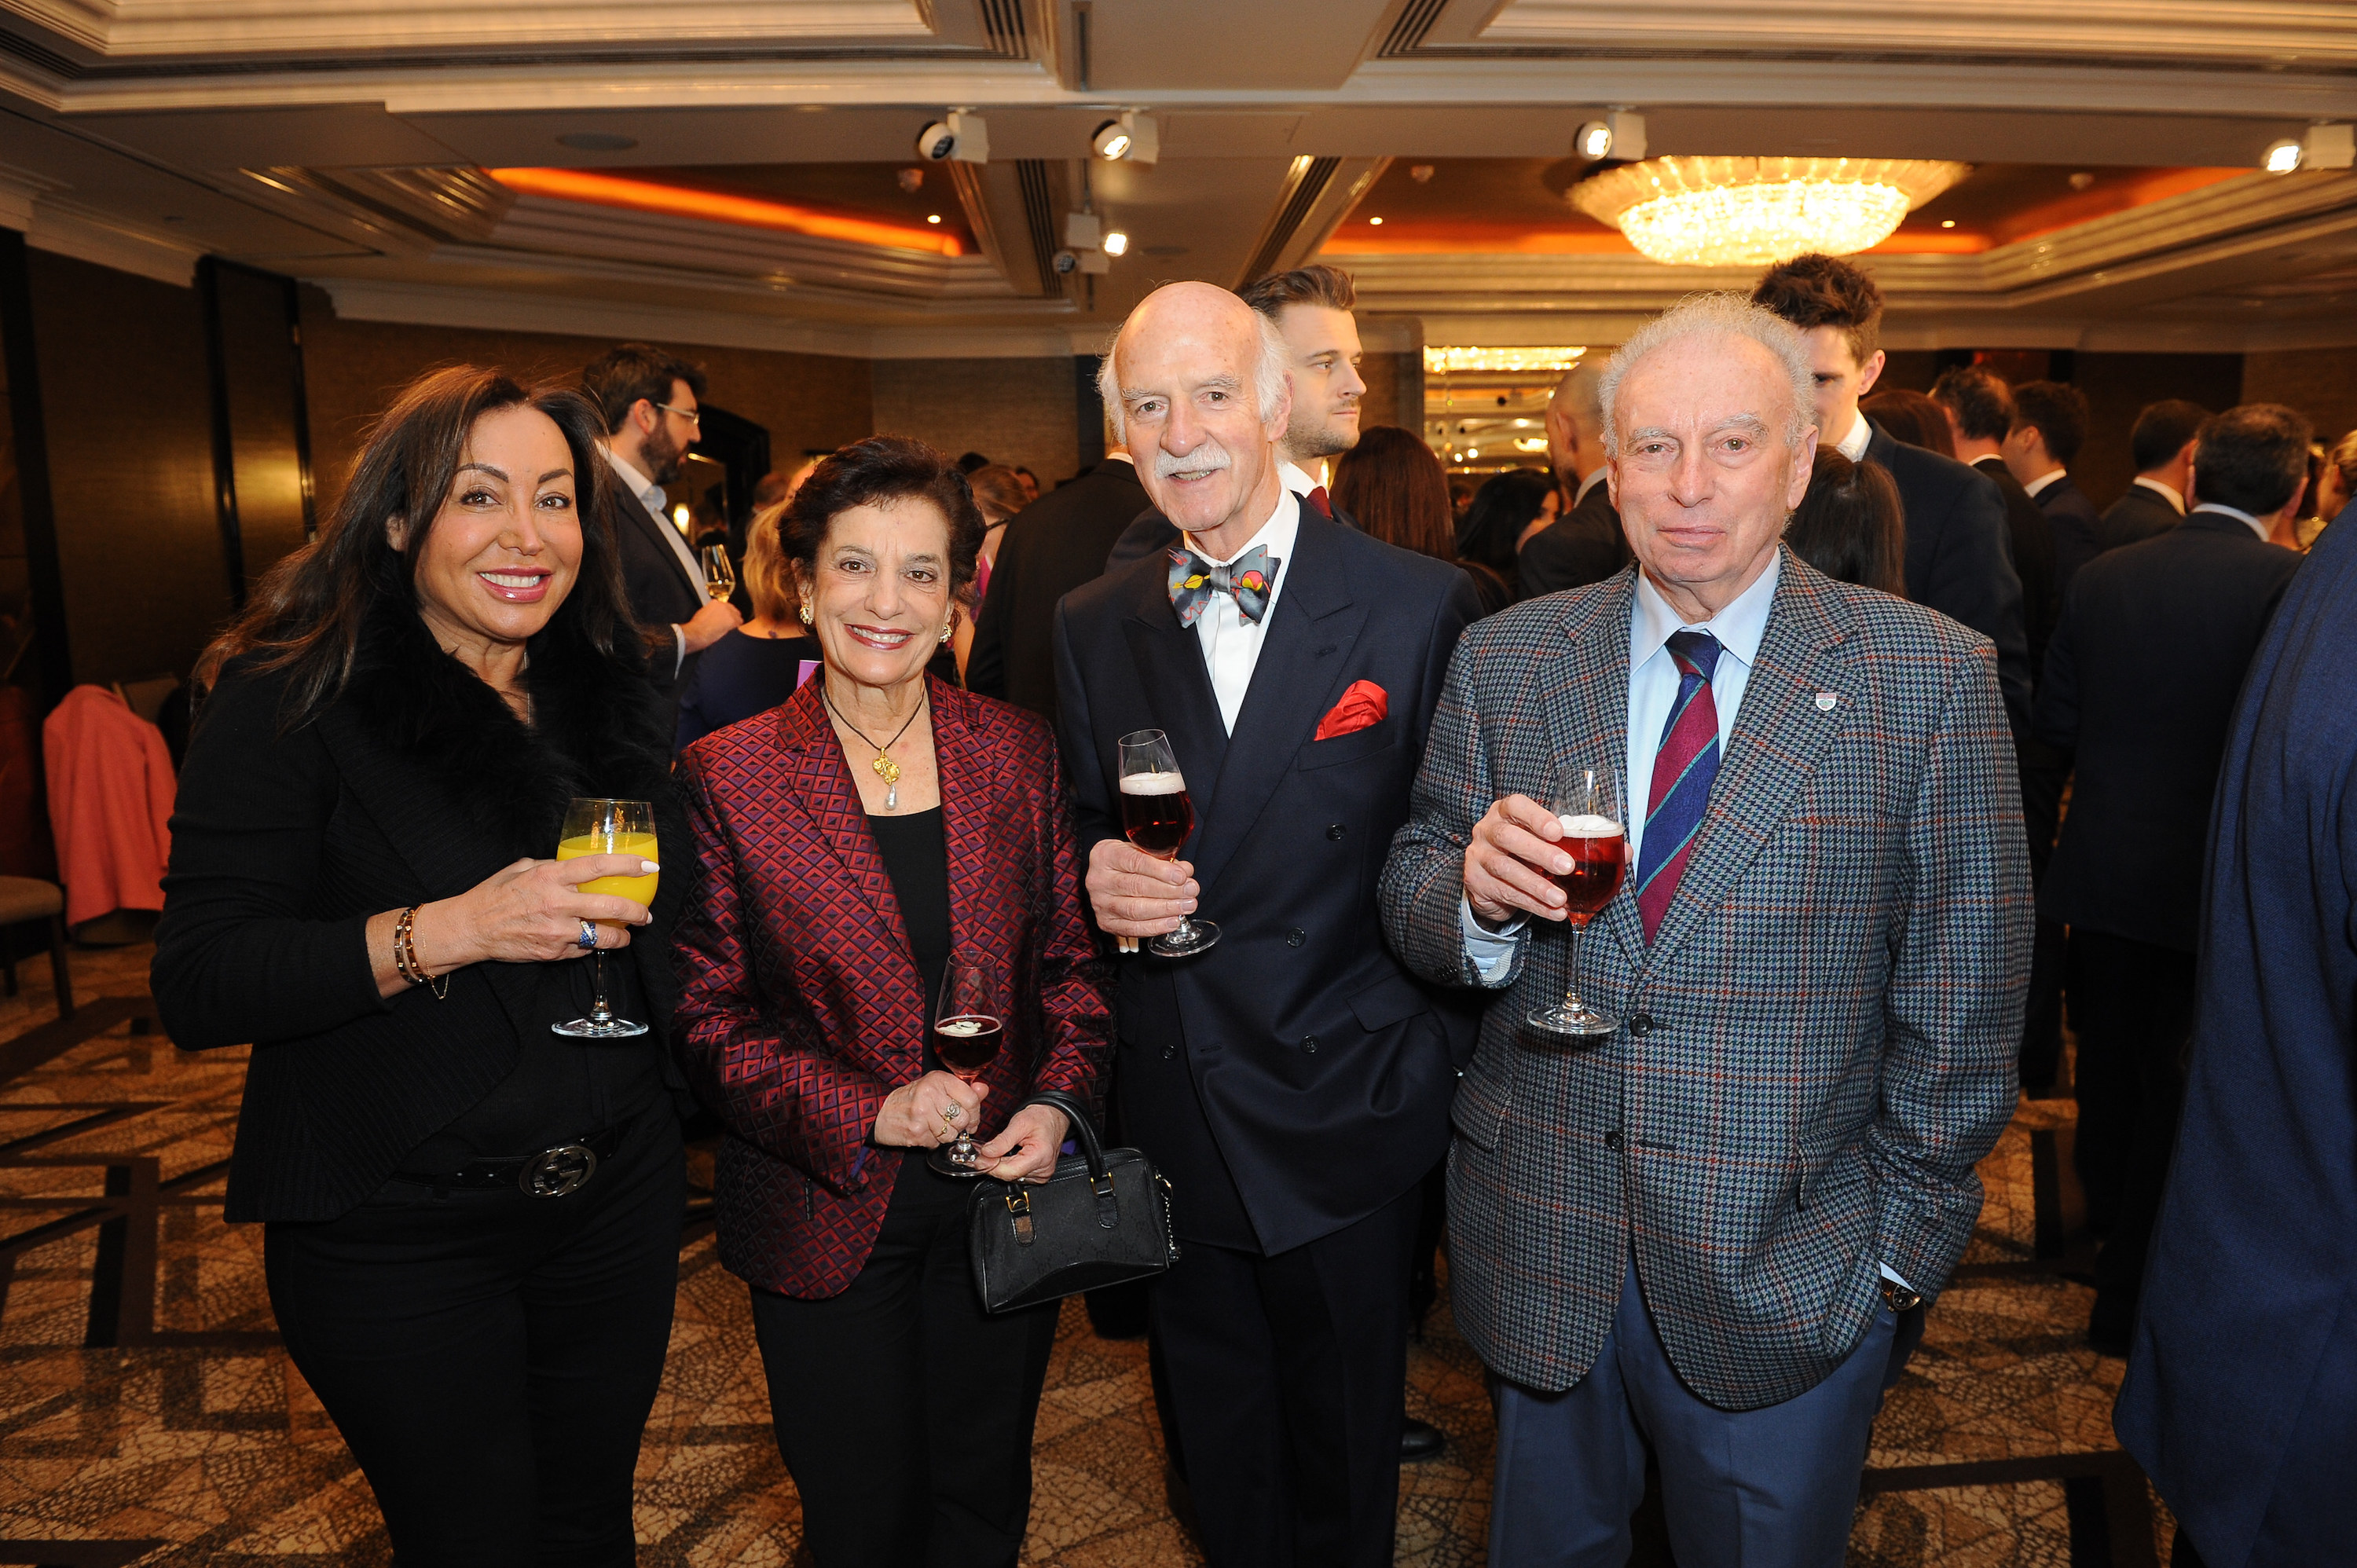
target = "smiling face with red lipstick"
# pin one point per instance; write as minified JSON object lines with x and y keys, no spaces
{"x":505,"y":548}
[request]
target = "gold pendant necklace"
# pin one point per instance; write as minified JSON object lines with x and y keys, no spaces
{"x":884,"y":767}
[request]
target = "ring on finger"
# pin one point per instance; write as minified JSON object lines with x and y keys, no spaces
{"x":588,"y":938}
{"x":951,"y":1111}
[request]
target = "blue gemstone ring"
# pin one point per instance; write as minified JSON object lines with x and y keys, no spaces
{"x":588,"y":935}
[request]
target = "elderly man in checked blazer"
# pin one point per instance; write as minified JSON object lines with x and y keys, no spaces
{"x":1708,"y":1230}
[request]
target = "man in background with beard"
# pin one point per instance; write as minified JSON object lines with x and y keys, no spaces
{"x":649,"y":401}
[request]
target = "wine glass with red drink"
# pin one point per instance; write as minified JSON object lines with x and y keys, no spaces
{"x":965,"y":1038}
{"x":1588,"y":803}
{"x":1157,"y":817}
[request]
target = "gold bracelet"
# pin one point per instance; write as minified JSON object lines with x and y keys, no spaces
{"x":404,"y":957}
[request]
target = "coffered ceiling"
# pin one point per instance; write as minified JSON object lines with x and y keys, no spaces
{"x":737,"y":170}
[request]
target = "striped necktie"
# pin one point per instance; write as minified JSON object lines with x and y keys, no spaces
{"x":1682,"y":770}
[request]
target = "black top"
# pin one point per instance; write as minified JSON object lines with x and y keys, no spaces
{"x":917,"y":857}
{"x":416,"y":784}
{"x":739,"y":676}
{"x":1050,"y":547}
{"x":2141,"y":685}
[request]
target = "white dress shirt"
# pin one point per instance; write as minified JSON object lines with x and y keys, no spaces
{"x":1296,"y":477}
{"x":651,"y":496}
{"x":2166,"y":490}
{"x":2256,"y":525}
{"x":1853,"y":446}
{"x":1594,"y":479}
{"x":2045,"y":480}
{"x":1230,"y":643}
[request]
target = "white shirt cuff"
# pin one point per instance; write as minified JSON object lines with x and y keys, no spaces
{"x":678,"y":649}
{"x":1493,"y":952}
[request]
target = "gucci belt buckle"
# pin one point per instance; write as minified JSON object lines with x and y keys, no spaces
{"x":555,"y":1172}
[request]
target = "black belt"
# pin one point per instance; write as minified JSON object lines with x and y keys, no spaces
{"x":551,"y":1172}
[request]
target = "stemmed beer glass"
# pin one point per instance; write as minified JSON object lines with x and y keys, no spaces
{"x":1157,"y":816}
{"x":967,"y":1034}
{"x":1587,"y":802}
{"x":608,"y":827}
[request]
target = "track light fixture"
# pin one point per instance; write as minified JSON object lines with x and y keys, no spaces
{"x":962,"y":136}
{"x":1619,"y":135}
{"x":1133,"y":136}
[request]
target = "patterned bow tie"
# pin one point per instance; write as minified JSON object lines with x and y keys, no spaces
{"x":1246,"y":579}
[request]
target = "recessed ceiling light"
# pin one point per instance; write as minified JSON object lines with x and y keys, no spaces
{"x":932,"y":217}
{"x":1947,"y":222}
{"x":596,"y":141}
{"x":1377,"y":222}
{"x":1421,"y":174}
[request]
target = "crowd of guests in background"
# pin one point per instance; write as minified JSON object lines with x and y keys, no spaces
{"x":472,"y":1238}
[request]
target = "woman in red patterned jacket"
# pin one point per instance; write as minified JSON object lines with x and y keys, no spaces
{"x":849,"y":843}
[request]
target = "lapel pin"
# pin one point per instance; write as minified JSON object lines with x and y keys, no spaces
{"x":1826,"y":701}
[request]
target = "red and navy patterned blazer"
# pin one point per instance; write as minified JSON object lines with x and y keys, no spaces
{"x":800,"y":1005}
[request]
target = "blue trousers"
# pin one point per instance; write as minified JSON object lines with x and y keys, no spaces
{"x":1773,"y":1487}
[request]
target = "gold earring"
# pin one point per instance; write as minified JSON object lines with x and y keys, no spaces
{"x":806,"y":615}
{"x":947,"y":629}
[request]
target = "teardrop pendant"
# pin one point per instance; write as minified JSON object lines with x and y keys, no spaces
{"x":892,"y":796}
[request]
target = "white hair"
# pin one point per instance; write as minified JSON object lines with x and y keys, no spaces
{"x":1715,"y":315}
{"x":1269,"y":373}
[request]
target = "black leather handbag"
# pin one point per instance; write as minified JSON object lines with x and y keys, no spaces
{"x":1103,"y":1218}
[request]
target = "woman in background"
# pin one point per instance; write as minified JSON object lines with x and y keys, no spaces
{"x":998,"y":493}
{"x":1912,"y":417}
{"x":756,"y":666}
{"x":1393,"y":486}
{"x":1506,"y":511}
{"x":1850,"y":525}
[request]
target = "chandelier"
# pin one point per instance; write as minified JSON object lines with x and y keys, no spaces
{"x":1452,"y":361}
{"x":1715,"y":211}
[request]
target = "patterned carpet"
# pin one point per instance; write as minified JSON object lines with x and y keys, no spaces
{"x":147,"y":1415}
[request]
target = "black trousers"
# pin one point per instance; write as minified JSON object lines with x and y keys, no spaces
{"x":490,"y":1358}
{"x":2043,"y":773}
{"x":904,"y":1411}
{"x":2132,"y":1007}
{"x":1288,"y":1378}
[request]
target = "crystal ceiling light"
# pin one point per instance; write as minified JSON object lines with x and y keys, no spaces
{"x":1457,"y":360}
{"x":1720,"y":211}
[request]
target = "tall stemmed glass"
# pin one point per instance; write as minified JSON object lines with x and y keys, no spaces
{"x":967,"y":1035}
{"x":719,"y":572}
{"x":608,"y":827}
{"x":1588,"y":803}
{"x":1157,"y":816}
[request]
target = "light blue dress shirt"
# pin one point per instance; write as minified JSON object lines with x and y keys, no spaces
{"x":1652,"y":692}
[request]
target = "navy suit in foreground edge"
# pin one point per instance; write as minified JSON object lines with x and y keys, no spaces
{"x":2240,"y":1398}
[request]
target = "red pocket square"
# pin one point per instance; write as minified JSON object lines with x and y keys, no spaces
{"x":1363,"y":706}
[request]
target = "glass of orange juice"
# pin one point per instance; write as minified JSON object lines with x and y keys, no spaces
{"x":608,"y":827}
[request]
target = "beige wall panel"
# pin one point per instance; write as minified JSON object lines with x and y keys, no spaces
{"x":2320,"y":382}
{"x":1021,"y":412}
{"x":806,"y":400}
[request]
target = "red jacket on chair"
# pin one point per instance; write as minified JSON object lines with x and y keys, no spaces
{"x":800,"y":1005}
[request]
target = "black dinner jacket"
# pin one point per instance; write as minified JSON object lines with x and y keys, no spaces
{"x":2078,"y":528}
{"x":660,"y":593}
{"x":2140,"y":683}
{"x":2032,"y":539}
{"x":1584,"y":545}
{"x":1295,"y":1078}
{"x":1958,"y":558}
{"x":1050,"y":547}
{"x":2139,"y":514}
{"x":416,"y":784}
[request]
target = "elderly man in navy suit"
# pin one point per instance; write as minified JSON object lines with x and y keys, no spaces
{"x":1293,"y":1081}
{"x":1706,"y":1223}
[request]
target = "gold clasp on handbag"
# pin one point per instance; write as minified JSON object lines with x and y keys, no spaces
{"x":1018,"y":1204}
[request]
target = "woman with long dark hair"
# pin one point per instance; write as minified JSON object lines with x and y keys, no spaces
{"x":1506,"y":511}
{"x":1850,"y":525}
{"x":1393,"y":486}
{"x":471,"y":1222}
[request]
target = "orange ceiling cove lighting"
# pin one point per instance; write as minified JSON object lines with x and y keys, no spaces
{"x":718,"y":207}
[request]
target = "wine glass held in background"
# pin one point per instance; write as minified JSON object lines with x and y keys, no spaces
{"x":608,"y":827}
{"x":1157,"y":816}
{"x":966,"y":1033}
{"x":719,"y":573}
{"x":1587,"y":802}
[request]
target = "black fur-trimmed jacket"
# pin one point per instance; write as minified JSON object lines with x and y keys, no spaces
{"x":416,"y":784}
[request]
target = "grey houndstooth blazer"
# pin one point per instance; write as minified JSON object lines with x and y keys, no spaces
{"x":1818,"y":1045}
